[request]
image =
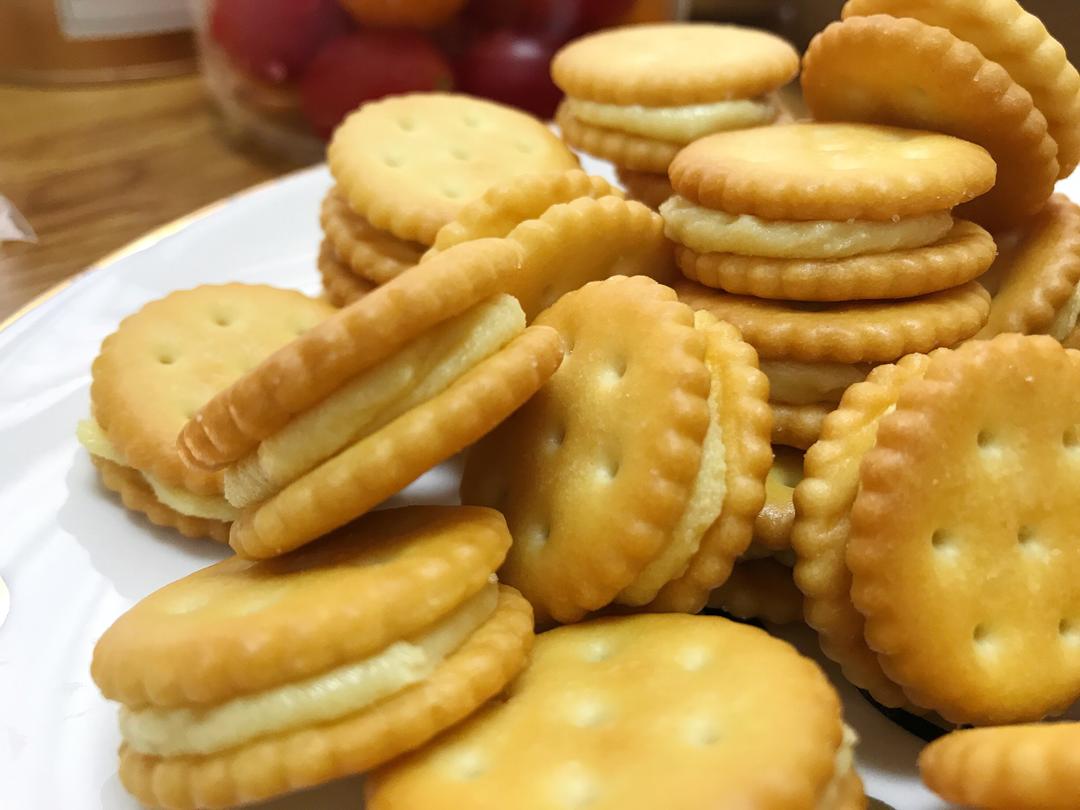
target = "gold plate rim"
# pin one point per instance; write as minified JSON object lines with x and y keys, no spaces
{"x":148,"y":239}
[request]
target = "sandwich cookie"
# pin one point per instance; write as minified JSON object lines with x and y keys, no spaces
{"x":646,"y":687}
{"x":354,"y":410}
{"x":636,"y":95}
{"x":157,"y":369}
{"x":635,"y":475}
{"x":248,"y":680}
{"x":937,"y":82}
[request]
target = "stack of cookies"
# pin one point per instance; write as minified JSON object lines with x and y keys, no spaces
{"x":637,"y":95}
{"x":832,"y":248}
{"x":404,"y":167}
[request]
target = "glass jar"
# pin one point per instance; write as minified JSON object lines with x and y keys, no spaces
{"x":285,"y":72}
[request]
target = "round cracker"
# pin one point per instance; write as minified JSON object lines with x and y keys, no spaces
{"x":341,"y":285}
{"x":820,"y":171}
{"x":636,"y":152}
{"x":383,"y":463}
{"x":1037,"y":272}
{"x":166,"y":360}
{"x":671,"y":65}
{"x":947,"y":588}
{"x":231,"y":629}
{"x":745,"y":428}
{"x":138,"y":496}
{"x":594,"y":473}
{"x":959,"y":257}
{"x":650,"y":188}
{"x":585,"y":240}
{"x":941,"y":83}
{"x":310,"y":368}
{"x":288,"y":761}
{"x":853,"y":332}
{"x":1016,"y":40}
{"x":504,"y":206}
{"x":1024,"y":767}
{"x":645,"y":686}
{"x":798,"y":426}
{"x":822,"y":527}
{"x":372,"y":254}
{"x":407,"y":164}
{"x":760,"y":589}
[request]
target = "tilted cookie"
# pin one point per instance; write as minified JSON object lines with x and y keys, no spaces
{"x":585,"y":240}
{"x":760,"y":589}
{"x":855,"y":332}
{"x":614,"y":477}
{"x":506,"y":205}
{"x":340,"y":284}
{"x":828,"y":212}
{"x":795,"y":382}
{"x":1023,"y":767}
{"x":157,"y":369}
{"x":357,"y":408}
{"x":370,"y":253}
{"x":408,"y":164}
{"x":941,"y":83}
{"x":822,"y":527}
{"x":646,"y":687}
{"x":1035,"y":282}
{"x":966,"y":508}
{"x":248,"y":680}
{"x":1019,"y":42}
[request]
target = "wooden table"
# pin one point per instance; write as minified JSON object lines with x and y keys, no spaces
{"x":93,"y":168}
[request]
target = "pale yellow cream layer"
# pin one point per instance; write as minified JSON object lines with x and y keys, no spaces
{"x":675,"y":124}
{"x":419,"y":371}
{"x":705,"y":230}
{"x":845,"y":761}
{"x":797,"y":383}
{"x":702,"y":508}
{"x":326,"y":697}
{"x":211,"y":507}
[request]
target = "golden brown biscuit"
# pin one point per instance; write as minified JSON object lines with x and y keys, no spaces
{"x":245,"y":681}
{"x":368,"y":252}
{"x":341,"y":285}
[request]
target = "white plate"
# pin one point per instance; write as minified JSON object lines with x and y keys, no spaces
{"x":74,"y":560}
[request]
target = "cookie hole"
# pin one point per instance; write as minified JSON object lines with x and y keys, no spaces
{"x":701,"y":732}
{"x":539,"y":535}
{"x":1071,"y":438}
{"x":166,"y":358}
{"x":471,"y":121}
{"x":942,"y":540}
{"x":393,"y":161}
{"x":524,"y":147}
{"x":406,"y":124}
{"x":221,"y":319}
{"x":556,"y":438}
{"x":590,"y":714}
{"x":983,"y":638}
{"x":452,"y":193}
{"x":547,"y":297}
{"x":986,"y":440}
{"x":693,"y":659}
{"x":596,"y":651}
{"x":1069,"y":631}
{"x":460,"y":153}
{"x":608,"y":469}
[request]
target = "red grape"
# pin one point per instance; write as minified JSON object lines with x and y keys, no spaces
{"x":368,"y":65}
{"x":512,"y":68}
{"x":562,"y":20}
{"x":275,"y":39}
{"x":486,"y":14}
{"x":599,"y":13}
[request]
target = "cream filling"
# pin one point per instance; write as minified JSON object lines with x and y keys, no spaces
{"x":419,"y":371}
{"x":703,"y":507}
{"x":798,"y":383}
{"x":210,"y":507}
{"x":1067,"y":318}
{"x":705,"y":230}
{"x":677,"y":124}
{"x":845,"y":761}
{"x":321,"y":699}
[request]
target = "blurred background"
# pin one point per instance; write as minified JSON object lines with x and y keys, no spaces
{"x":119,"y":115}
